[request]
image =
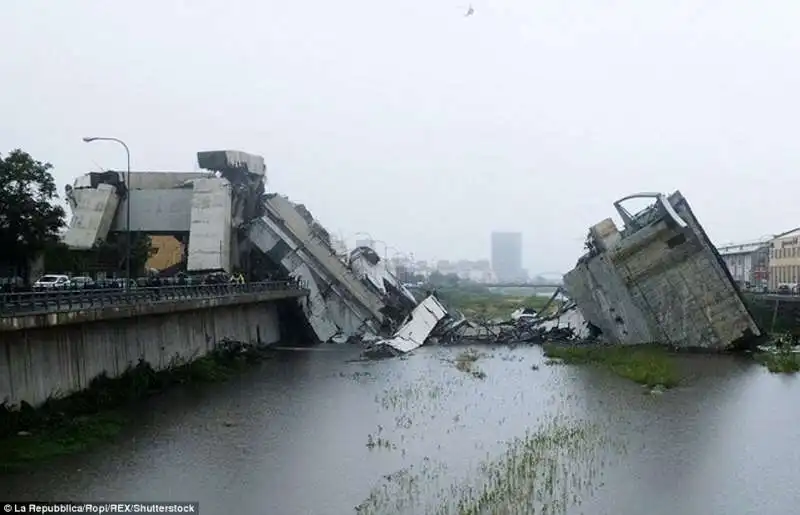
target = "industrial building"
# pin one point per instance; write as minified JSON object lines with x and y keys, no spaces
{"x":784,"y":259}
{"x":748,"y":263}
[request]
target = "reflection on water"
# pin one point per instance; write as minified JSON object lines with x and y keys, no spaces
{"x":317,"y":432}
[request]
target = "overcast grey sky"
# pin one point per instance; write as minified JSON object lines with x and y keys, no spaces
{"x":427,"y":129}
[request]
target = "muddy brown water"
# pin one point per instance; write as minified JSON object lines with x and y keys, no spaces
{"x":314,"y":432}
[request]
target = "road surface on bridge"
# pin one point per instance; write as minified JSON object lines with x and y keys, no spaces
{"x":20,"y":304}
{"x":523,"y":285}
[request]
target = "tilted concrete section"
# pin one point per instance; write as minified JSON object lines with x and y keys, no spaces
{"x":38,"y":363}
{"x":340,"y":303}
{"x":280,"y":210}
{"x":659,"y":280}
{"x":93,"y":213}
{"x":326,"y":308}
{"x":416,"y":330}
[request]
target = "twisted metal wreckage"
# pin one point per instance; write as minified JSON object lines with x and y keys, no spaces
{"x":658,"y":279}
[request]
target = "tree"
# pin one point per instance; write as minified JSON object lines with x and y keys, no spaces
{"x":106,"y":256}
{"x":112,"y":254}
{"x":438,"y":279}
{"x":29,"y":219}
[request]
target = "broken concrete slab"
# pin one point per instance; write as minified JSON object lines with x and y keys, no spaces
{"x":222,"y":160}
{"x":659,"y":280}
{"x":414,"y":331}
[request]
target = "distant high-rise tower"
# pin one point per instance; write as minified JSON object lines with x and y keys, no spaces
{"x":507,"y":256}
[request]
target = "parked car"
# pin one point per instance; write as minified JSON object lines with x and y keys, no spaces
{"x":12,"y":284}
{"x":217,"y":278}
{"x":82,"y":283}
{"x":51,"y":282}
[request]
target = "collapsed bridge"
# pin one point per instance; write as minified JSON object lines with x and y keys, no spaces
{"x":224,"y":215}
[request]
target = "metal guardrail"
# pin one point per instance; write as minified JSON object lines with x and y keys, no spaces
{"x":15,"y":304}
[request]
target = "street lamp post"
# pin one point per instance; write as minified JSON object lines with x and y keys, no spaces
{"x":128,"y":207}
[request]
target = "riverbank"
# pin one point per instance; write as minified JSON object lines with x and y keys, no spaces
{"x":649,"y":365}
{"x":782,"y":361}
{"x":450,"y":433}
{"x":82,"y":420}
{"x":487,"y":305}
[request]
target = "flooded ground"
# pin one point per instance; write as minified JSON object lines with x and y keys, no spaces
{"x":316,"y":433}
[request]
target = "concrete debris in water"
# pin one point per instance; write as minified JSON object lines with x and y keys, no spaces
{"x":524,"y":326}
{"x":431,"y":322}
{"x":413,"y":333}
{"x":659,"y":279}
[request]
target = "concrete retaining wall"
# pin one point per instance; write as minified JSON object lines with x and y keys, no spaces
{"x":38,"y":363}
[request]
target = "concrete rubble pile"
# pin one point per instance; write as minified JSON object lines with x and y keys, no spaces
{"x":432,"y":322}
{"x":523,"y":326}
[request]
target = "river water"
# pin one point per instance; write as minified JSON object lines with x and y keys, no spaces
{"x":314,"y":432}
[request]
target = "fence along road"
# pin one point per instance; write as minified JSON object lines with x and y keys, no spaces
{"x":16,"y":304}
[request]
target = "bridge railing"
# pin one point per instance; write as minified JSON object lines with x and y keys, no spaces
{"x":13,"y":304}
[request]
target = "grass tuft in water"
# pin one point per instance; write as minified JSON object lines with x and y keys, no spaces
{"x":465,"y":362}
{"x":782,"y":361}
{"x":649,"y":365}
{"x":545,"y":471}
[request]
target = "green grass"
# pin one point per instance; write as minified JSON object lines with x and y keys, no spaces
{"x":74,"y":435}
{"x":77,"y":422}
{"x":781,"y":362}
{"x":549,"y":470}
{"x":649,"y":365}
{"x":489,"y":305}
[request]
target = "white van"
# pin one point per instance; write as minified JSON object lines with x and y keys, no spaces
{"x":51,"y":282}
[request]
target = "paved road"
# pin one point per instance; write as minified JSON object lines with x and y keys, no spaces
{"x":16,"y":304}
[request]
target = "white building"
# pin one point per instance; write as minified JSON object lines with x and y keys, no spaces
{"x":747,"y":262}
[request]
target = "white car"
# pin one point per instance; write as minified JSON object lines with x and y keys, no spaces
{"x":51,"y":282}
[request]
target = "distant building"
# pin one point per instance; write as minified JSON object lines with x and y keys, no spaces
{"x":784,"y":259}
{"x":507,"y":256}
{"x":748,"y":263}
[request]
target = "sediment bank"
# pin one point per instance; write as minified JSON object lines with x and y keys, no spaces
{"x":84,"y":419}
